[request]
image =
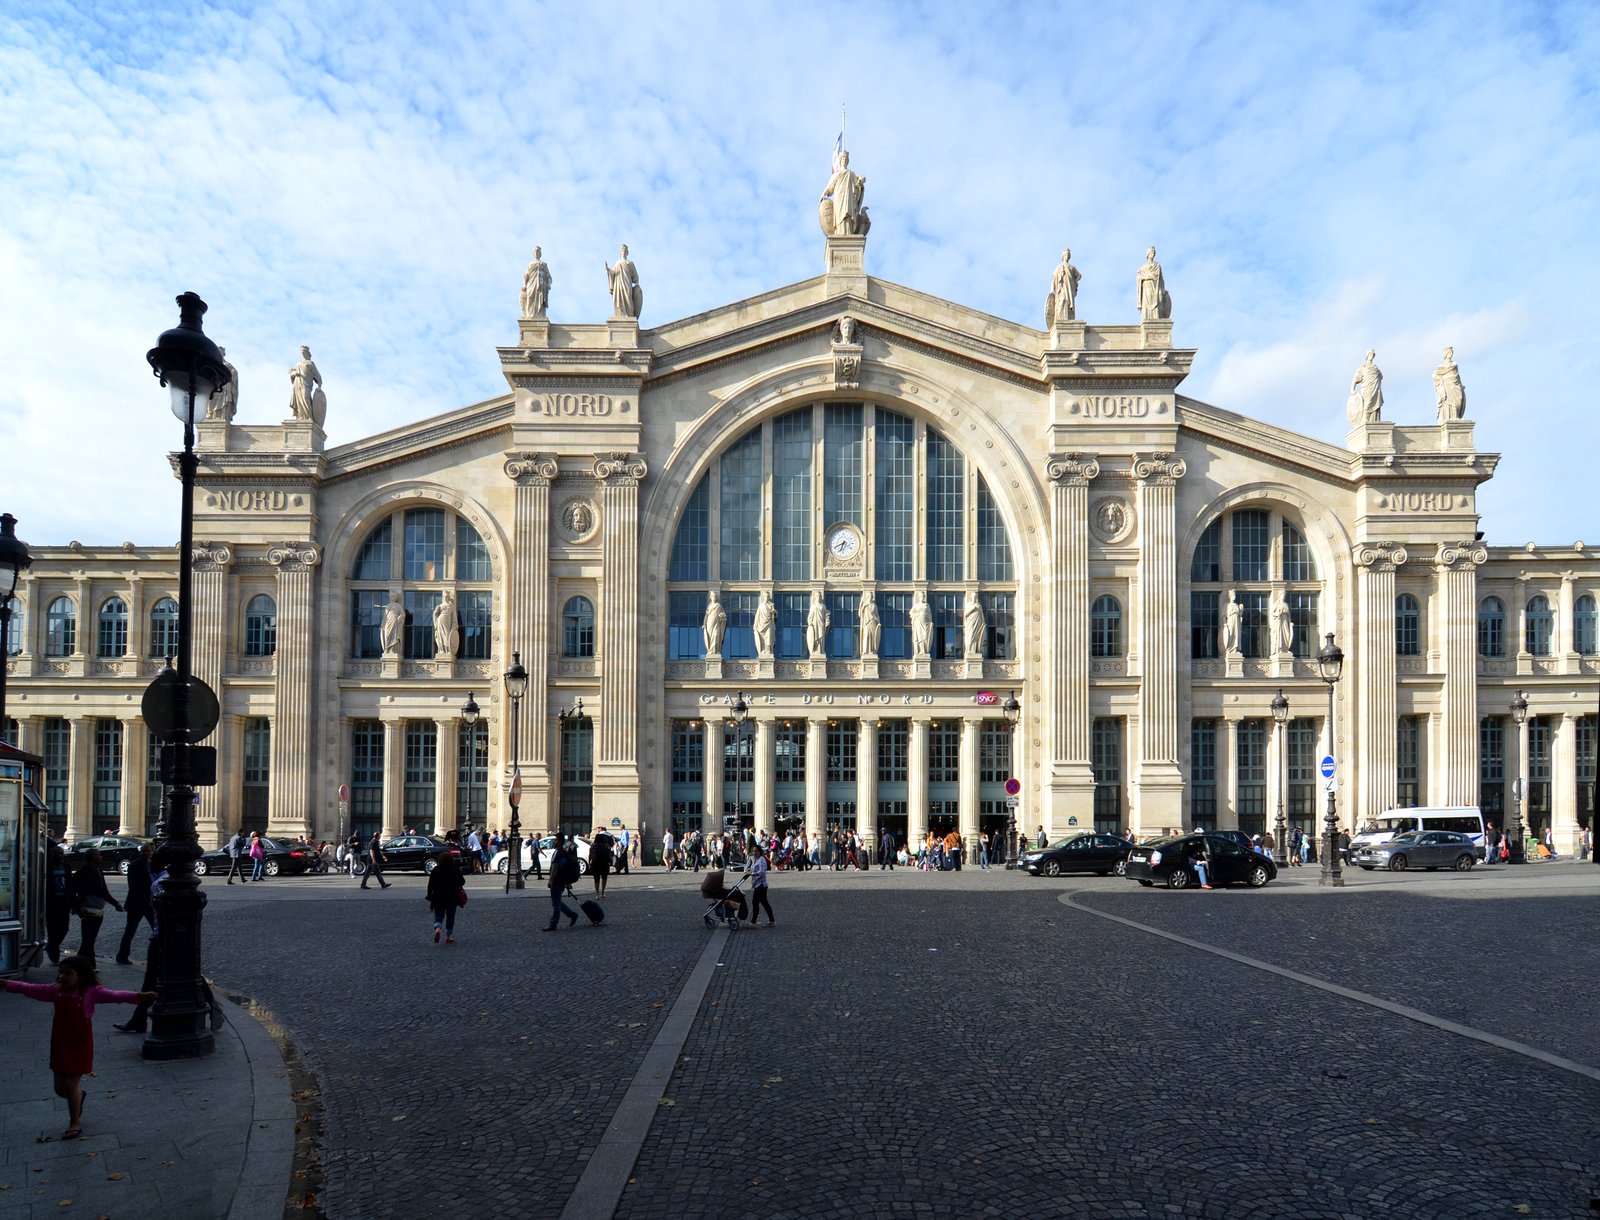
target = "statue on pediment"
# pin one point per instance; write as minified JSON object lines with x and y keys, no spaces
{"x":1062,"y":303}
{"x":1447,"y":389}
{"x":841,"y":211}
{"x":1154,"y":303}
{"x":871,"y":626}
{"x":975,"y":630}
{"x":921,"y":626}
{"x":224,"y":403}
{"x":1365,"y":404}
{"x":306,"y":399}
{"x":446,"y":628}
{"x":627,"y":298}
{"x":536,"y":287}
{"x":1232,"y":625}
{"x":714,"y":625}
{"x":818,"y":621}
{"x":766,"y":625}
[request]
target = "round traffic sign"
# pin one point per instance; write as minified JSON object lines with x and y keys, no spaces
{"x":1013,"y":786}
{"x":1327,"y":766}
{"x":159,"y":707}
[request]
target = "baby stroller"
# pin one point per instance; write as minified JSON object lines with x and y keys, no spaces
{"x":727,"y":906}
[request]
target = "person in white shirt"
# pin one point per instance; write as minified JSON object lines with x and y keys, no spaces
{"x":758,"y":888}
{"x":667,"y":844}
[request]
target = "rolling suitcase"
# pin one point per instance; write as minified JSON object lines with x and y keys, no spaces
{"x":595,"y":912}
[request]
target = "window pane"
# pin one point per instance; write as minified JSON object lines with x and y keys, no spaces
{"x":843,"y":462}
{"x":947,"y":627}
{"x":164,"y":628}
{"x":366,"y":622}
{"x":1204,"y":620}
{"x":1203,"y":771}
{"x":113,"y":633}
{"x":372,"y":560}
{"x":424,"y":549}
{"x":894,"y":613}
{"x":791,"y":496}
{"x":1583,"y":626}
{"x":13,"y":641}
{"x":1297,"y":561}
{"x":1207,"y":565}
{"x":475,"y":606}
{"x":1541,"y":625}
{"x":740,"y":641}
{"x":261,"y":627}
{"x":1105,"y":628}
{"x":1251,"y":545}
{"x":1491,"y":628}
{"x":792,"y":609}
{"x":997,"y":608}
{"x":895,"y":459}
{"x":577,"y":628}
{"x":844,"y":624}
{"x":420,"y":604}
{"x":740,"y":505}
{"x":994,"y":544}
{"x":472,"y":553}
{"x":1303,"y":617}
{"x":691,"y":545}
{"x":1407,"y":626}
{"x":947,"y":516}
{"x":686,"y":611}
{"x":1254,"y":638}
{"x":61,"y":628}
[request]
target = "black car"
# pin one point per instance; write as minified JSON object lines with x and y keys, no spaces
{"x":1171,"y":862}
{"x":417,"y":851}
{"x":1084,"y":853}
{"x":117,"y":852}
{"x":282,"y":856}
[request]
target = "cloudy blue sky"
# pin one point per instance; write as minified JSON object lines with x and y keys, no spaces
{"x":370,"y":179}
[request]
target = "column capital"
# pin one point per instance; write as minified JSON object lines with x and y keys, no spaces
{"x":1460,"y":556}
{"x":1071,"y":469}
{"x":1159,"y":468}
{"x":294,"y":556}
{"x":211,"y":556}
{"x":620,"y":467}
{"x":1379,"y":556}
{"x":532,"y":469}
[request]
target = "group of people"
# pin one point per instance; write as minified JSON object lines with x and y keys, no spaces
{"x":82,"y":891}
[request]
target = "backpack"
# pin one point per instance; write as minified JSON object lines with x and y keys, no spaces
{"x":569,"y":872}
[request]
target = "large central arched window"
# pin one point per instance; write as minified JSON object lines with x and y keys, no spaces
{"x":836,"y":494}
{"x":424,"y":554}
{"x":1257,"y":555}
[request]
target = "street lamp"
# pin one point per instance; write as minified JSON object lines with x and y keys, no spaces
{"x":1519,"y":713}
{"x":14,"y":560}
{"x":740,"y":712}
{"x":1280,"y":713}
{"x":1330,"y":663}
{"x":191,"y":367}
{"x":516,"y":687}
{"x":1013,"y":711}
{"x":469,"y":717}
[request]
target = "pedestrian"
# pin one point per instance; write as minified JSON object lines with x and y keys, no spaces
{"x":1043,"y":842}
{"x":601,"y":850}
{"x":624,"y":861}
{"x":375,"y":861}
{"x":564,"y":873}
{"x":75,"y":993}
{"x":258,"y":857}
{"x":886,"y":848}
{"x":91,"y":897}
{"x":1198,"y":858}
{"x":447,"y":890}
{"x":758,"y":889}
{"x":138,"y":904}
{"x":237,"y":856}
{"x":57,"y":902}
{"x":1491,"y":844}
{"x":668,"y":852}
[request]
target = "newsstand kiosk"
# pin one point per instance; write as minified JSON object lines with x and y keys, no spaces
{"x":24,"y":860}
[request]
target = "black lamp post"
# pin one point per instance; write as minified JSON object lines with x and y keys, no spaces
{"x":192,"y":369}
{"x":740,"y":713}
{"x":469,"y":717}
{"x":1330,"y":663}
{"x":516,"y":687}
{"x":1280,"y":713}
{"x":1013,"y":711}
{"x":14,"y":560}
{"x":1519,"y":713}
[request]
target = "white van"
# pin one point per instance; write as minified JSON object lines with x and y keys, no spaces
{"x":1467,"y":819}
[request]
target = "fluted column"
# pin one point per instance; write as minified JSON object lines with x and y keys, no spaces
{"x":394,"y":776}
{"x":616,"y":768}
{"x":211,"y":625}
{"x":292,"y":755}
{"x":765,"y":771}
{"x":1564,"y":781}
{"x":867,"y":783}
{"x":1228,"y":780}
{"x":1160,"y":783}
{"x":1375,"y":700}
{"x":444,"y":773}
{"x":1454,"y":767}
{"x":80,"y":783}
{"x":917,"y":785}
{"x":528,"y":614}
{"x":716,"y":744}
{"x":967,"y":792}
{"x":135,"y":744}
{"x":816,"y":773}
{"x":1071,"y":779}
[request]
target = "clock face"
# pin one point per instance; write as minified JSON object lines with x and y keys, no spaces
{"x":843,"y":543}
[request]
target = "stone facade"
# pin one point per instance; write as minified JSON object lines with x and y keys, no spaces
{"x":572,"y":488}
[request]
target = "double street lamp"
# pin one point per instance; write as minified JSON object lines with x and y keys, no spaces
{"x":516,"y":687}
{"x":739,"y":714}
{"x":1013,"y":711}
{"x":469,"y":717}
{"x":1330,"y":663}
{"x":1519,"y":714}
{"x":191,"y":367}
{"x":14,"y":561}
{"x":1280,"y":714}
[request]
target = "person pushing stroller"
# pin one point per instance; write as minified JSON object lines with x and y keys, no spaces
{"x":727,"y":906}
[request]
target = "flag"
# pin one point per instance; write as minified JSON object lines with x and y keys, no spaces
{"x":838,"y":150}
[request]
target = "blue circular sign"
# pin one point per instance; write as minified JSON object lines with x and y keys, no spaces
{"x":1327,"y":766}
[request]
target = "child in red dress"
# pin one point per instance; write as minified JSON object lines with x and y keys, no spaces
{"x":75,"y":993}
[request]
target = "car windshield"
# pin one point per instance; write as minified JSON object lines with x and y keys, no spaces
{"x":1060,"y":843}
{"x":1394,"y":825}
{"x":1410,"y":836}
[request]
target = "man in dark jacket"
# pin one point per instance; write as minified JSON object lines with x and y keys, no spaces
{"x":375,"y":861}
{"x":237,"y":855}
{"x":564,"y":872}
{"x":138,"y":903}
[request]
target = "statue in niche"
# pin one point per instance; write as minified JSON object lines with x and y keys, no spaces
{"x":627,"y":298}
{"x":306,"y":399}
{"x":1447,"y":389}
{"x":818,"y":620}
{"x":1154,"y":303}
{"x":1282,"y":625}
{"x":1365,"y":405}
{"x":446,"y":631}
{"x":840,"y":210}
{"x":975,"y":630}
{"x":921,"y":627}
{"x":1232,"y":616}
{"x":536,"y":287}
{"x":871,"y":626}
{"x":714,"y":625}
{"x":224,"y":403}
{"x":766,"y":626}
{"x":394,"y":622}
{"x":1062,"y":303}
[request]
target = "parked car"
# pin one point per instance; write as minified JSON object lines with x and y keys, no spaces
{"x":547,"y":851}
{"x":117,"y":852}
{"x":1170,"y":862}
{"x":1429,"y":849}
{"x":416,"y":851}
{"x":282,"y":856}
{"x":1084,"y":853}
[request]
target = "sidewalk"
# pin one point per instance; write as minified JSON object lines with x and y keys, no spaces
{"x":202,"y":1138}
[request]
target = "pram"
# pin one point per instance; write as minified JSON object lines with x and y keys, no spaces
{"x":727,"y":906}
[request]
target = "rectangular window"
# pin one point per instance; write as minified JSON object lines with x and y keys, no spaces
{"x":1407,"y":630}
{"x":740,"y":504}
{"x":1254,"y":633}
{"x":576,"y":814}
{"x":366,"y":622}
{"x":1302,"y":766}
{"x":792,"y":608}
{"x":842,"y":745}
{"x":366,"y":777}
{"x":1203,"y":624}
{"x":791,"y":496}
{"x":1105,"y":760}
{"x":373,"y":561}
{"x":419,"y":623}
{"x":691,"y":545}
{"x":1408,"y":762}
{"x":685,"y":614}
{"x":947,"y":642}
{"x":894,"y":493}
{"x":1492,"y":769}
{"x":944,"y":752}
{"x":1252,"y":544}
{"x":1297,"y":561}
{"x":1251,"y":783}
{"x":113,"y":641}
{"x":789,"y":747}
{"x":947,"y":510}
{"x":1303,"y":616}
{"x":1206,"y":567}
{"x":57,"y":753}
{"x":1537,"y":814}
{"x":472,"y":775}
{"x":422,"y":773}
{"x":994,"y":544}
{"x":255,"y":788}
{"x":688,"y":752}
{"x":472,"y":553}
{"x":1203,"y":772}
{"x":1584,"y":743}
{"x":843,"y":462}
{"x":994,"y":752}
{"x":739,"y":753}
{"x":107,"y":776}
{"x":894,"y":615}
{"x":844,"y":624}
{"x":997,"y":609}
{"x":894,"y":751}
{"x":476,"y":607}
{"x":740,"y":641}
{"x":154,"y":790}
{"x":425,"y":544}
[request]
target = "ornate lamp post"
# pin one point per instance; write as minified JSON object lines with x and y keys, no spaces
{"x":1519,"y":713}
{"x":740,"y":713}
{"x":1330,"y":663}
{"x":469,"y":717}
{"x":1280,"y":713}
{"x":14,"y":561}
{"x":1013,"y":711}
{"x":192,"y":369}
{"x":516,"y":687}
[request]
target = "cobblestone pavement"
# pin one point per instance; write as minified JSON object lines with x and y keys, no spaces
{"x":963,"y":1045}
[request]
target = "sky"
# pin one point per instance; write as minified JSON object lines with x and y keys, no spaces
{"x":370,"y":180}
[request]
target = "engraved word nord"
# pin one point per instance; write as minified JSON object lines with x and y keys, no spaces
{"x":572,"y":404}
{"x":1421,"y":502}
{"x":1114,"y":406}
{"x":252,"y":501}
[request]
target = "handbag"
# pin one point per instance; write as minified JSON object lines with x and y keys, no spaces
{"x":461,"y":898}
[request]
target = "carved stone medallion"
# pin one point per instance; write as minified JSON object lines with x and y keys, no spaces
{"x":1111,"y":520}
{"x":578,"y":520}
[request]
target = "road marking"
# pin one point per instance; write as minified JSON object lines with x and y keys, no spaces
{"x":1360,"y":997}
{"x":604,"y":1178}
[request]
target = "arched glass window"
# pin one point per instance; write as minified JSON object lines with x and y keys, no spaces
{"x":15,"y":635}
{"x":1491,"y":627}
{"x":164,"y":628}
{"x":422,"y":554}
{"x":61,"y":628}
{"x":1236,"y":555}
{"x":111,"y":640}
{"x":1584,"y":626}
{"x":1541,"y":626}
{"x":577,"y":628}
{"x":1105,"y":627}
{"x":1407,"y":626}
{"x":261,"y":627}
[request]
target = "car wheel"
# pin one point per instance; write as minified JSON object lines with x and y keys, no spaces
{"x":1146,"y":884}
{"x":429,"y":865}
{"x":1052,"y":868}
{"x":1258,"y":876}
{"x":122,"y":866}
{"x":201,"y":868}
{"x":583,"y":868}
{"x":273,"y":868}
{"x":1122,"y":868}
{"x":500,"y":866}
{"x":1178,"y":879}
{"x":1397,"y":865}
{"x":1464,"y":863}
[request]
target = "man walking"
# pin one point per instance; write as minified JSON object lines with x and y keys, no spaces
{"x":886,"y":846}
{"x":1491,"y":844}
{"x":375,"y":861}
{"x":138,"y":903}
{"x":237,"y":857}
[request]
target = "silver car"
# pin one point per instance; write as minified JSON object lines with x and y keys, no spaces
{"x":1428,"y":849}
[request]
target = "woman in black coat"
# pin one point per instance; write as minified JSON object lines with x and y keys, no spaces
{"x":446,"y":885}
{"x":91,"y":898}
{"x":57,"y":902}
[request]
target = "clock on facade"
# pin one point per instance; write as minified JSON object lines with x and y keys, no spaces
{"x":843,"y":543}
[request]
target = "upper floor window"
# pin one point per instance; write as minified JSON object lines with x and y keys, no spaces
{"x":440,"y":566}
{"x":1584,"y":625}
{"x":14,"y":634}
{"x":61,"y":628}
{"x":111,"y":639}
{"x":164,"y":628}
{"x":1491,"y":627}
{"x":1105,"y":627}
{"x":1540,"y":626}
{"x":577,"y":628}
{"x":1255,"y":559}
{"x":1407,"y":626}
{"x":261,"y":627}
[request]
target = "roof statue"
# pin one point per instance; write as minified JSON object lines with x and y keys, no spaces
{"x":841,"y":210}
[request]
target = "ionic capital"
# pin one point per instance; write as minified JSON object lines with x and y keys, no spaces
{"x":1380,"y":556}
{"x":1072,"y":469}
{"x":211,"y":556}
{"x":1460,"y":556}
{"x":294,"y":556}
{"x":532,"y":469}
{"x":1160,"y":468}
{"x":620,"y":467}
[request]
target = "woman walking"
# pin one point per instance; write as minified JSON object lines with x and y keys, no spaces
{"x":447,"y":890}
{"x":91,"y":897}
{"x":57,"y":902}
{"x":758,"y":889}
{"x":258,"y":857}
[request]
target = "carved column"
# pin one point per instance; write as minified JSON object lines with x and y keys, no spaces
{"x":1375,"y":755}
{"x":1564,"y":782}
{"x":616,"y":766}
{"x":1067,"y":694}
{"x":80,"y":783}
{"x":1228,"y":779}
{"x":967,"y":793}
{"x":211,"y":624}
{"x":1160,"y":782}
{"x":1454,"y":767}
{"x":816,"y":773}
{"x":444,"y":773}
{"x":135,"y":749}
{"x":716,"y":762}
{"x":292,"y":755}
{"x":394,"y":777}
{"x":528,"y":615}
{"x":917,"y":787}
{"x":765,"y":771}
{"x":867,"y":783}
